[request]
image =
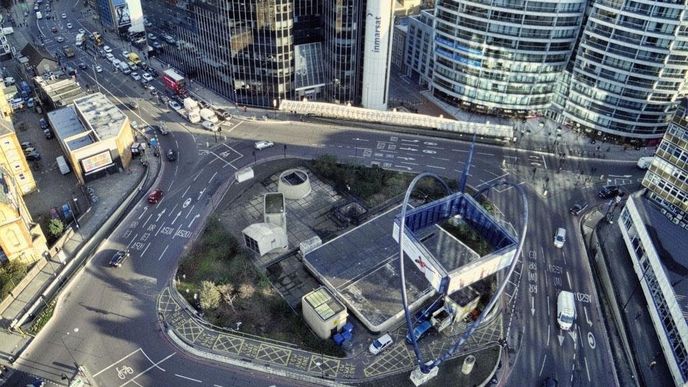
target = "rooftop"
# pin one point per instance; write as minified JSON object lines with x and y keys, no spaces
{"x":100,"y":115}
{"x":69,"y":129}
{"x":671,"y":243}
{"x":274,"y":203}
{"x":62,"y":92}
{"x":323,"y":303}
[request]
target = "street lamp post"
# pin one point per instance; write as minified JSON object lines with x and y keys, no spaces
{"x":76,"y":222}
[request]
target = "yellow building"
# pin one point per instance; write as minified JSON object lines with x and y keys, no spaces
{"x":20,"y":238}
{"x":11,"y":155}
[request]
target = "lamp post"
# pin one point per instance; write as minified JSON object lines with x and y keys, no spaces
{"x":76,"y":222}
{"x":642,"y":277}
{"x":76,"y":364}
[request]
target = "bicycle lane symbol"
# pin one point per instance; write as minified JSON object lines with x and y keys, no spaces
{"x":124,"y":371}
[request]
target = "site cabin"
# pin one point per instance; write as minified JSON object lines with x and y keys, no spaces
{"x":174,"y":81}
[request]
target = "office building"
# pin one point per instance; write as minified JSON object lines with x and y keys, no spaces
{"x":419,"y":42}
{"x":502,"y":57}
{"x":123,"y":16}
{"x":259,"y":53}
{"x":666,"y":179}
{"x":630,"y":69}
{"x":12,"y":157}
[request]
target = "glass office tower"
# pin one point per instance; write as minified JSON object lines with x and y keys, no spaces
{"x":503,"y":56}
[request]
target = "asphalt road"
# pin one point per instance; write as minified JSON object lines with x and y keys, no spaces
{"x":106,"y":319}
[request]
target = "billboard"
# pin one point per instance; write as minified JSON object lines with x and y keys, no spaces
{"x":377,"y":54}
{"x":121,"y":8}
{"x":423,"y":260}
{"x":96,"y":163}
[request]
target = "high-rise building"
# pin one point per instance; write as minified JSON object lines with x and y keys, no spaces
{"x":666,"y":179}
{"x":502,"y":56}
{"x":630,"y":68}
{"x":120,"y":15}
{"x":259,"y":52}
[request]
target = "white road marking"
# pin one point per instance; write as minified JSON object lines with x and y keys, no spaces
{"x":113,"y":364}
{"x":188,"y":378}
{"x":144,"y":223}
{"x":163,"y":252}
{"x":542,"y":367}
{"x":174,"y":208}
{"x":143,"y":213}
{"x":586,"y":368}
{"x":568,"y":278}
{"x":194,"y":219}
{"x":190,"y":211}
{"x":176,"y":217}
{"x":436,"y":167}
{"x":549,"y":327}
{"x":547,"y":303}
{"x":132,"y":240}
{"x":144,"y":250}
{"x":186,"y":190}
{"x":585,"y":310}
{"x":147,"y":369}
{"x":160,"y":228}
{"x":212,"y":177}
{"x":152,"y":362}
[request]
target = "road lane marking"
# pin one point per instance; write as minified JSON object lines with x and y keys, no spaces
{"x":190,"y":211}
{"x":212,"y":177}
{"x":568,"y":278}
{"x":188,"y":378}
{"x":542,"y":367}
{"x":548,"y":314}
{"x":186,"y":190}
{"x":149,"y":218}
{"x":194,"y":219}
{"x":161,"y":227}
{"x":143,"y":212}
{"x":113,"y":364}
{"x":163,"y":252}
{"x":176,"y":217}
{"x":436,"y":167}
{"x":585,"y":310}
{"x":532,"y":306}
{"x":586,"y":368}
{"x":132,"y":240}
{"x":147,"y":369}
{"x":173,"y":208}
{"x":144,"y":250}
{"x":152,"y":362}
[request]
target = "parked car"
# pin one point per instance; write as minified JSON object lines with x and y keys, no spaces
{"x":83,"y":66}
{"x":380,"y":344}
{"x":133,"y":105}
{"x":125,"y":54}
{"x":119,"y":257}
{"x":134,"y":125}
{"x":48,"y":133}
{"x":160,"y":129}
{"x":64,"y":15}
{"x":420,"y":331}
{"x":578,"y":208}
{"x":260,"y":145}
{"x":174,"y":105}
{"x":54,"y":29}
{"x":69,"y":26}
{"x":610,"y":191}
{"x":28,"y":150}
{"x":99,"y":69}
{"x":210,"y":126}
{"x":60,"y":39}
{"x":223,"y":114}
{"x":26,"y":145}
{"x":136,"y":76}
{"x":147,"y":77}
{"x":82,"y":31}
{"x":155,"y":196}
{"x":33,"y":156}
{"x":107,"y":49}
{"x":171,"y":155}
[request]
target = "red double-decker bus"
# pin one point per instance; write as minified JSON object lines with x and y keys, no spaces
{"x":174,"y":81}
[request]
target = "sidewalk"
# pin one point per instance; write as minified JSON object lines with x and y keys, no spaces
{"x":115,"y":193}
{"x":630,"y":319}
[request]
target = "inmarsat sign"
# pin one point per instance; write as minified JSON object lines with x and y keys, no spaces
{"x":378,"y":31}
{"x":376,"y":53}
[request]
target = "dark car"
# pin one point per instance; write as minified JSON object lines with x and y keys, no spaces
{"x":550,"y":382}
{"x":33,"y":156}
{"x":54,"y":29}
{"x":43,"y":123}
{"x":223,"y":114}
{"x":82,"y":66}
{"x":48,"y":133}
{"x":155,"y":196}
{"x":610,"y":191}
{"x":578,"y":208}
{"x":160,"y":129}
{"x":171,"y":155}
{"x":119,"y":257}
{"x":71,"y":70}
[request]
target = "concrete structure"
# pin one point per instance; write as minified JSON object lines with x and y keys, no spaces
{"x":399,"y":45}
{"x":667,"y":177}
{"x":20,"y":238}
{"x":274,"y":209}
{"x":377,"y":53}
{"x":120,"y":15}
{"x":503,"y":57}
{"x":323,"y":313}
{"x":57,"y":93}
{"x":39,"y":59}
{"x":11,"y":154}
{"x":94,"y":135}
{"x":263,"y":238}
{"x":658,"y":248}
{"x":630,"y":69}
{"x":294,"y":184}
{"x":419,"y":48}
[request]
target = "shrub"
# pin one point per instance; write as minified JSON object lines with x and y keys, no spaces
{"x":10,"y":275}
{"x":55,"y":227}
{"x":210,"y":296}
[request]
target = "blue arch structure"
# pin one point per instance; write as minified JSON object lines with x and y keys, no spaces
{"x":425,"y":368}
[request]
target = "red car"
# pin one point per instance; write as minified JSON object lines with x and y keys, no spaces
{"x":155,"y":196}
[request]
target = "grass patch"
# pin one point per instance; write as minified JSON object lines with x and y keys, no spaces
{"x":43,"y":318}
{"x":246,"y":296}
{"x":11,"y":274}
{"x":469,"y":237}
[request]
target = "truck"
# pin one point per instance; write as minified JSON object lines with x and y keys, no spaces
{"x":193,"y":116}
{"x":134,"y":58}
{"x":208,"y":115}
{"x":62,"y":165}
{"x":68,"y":51}
{"x":644,"y":162}
{"x":80,"y":38}
{"x":191,"y":105}
{"x":97,"y":38}
{"x":566,"y":310}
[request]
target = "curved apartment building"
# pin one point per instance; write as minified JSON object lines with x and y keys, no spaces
{"x":630,"y":68}
{"x":503,"y":56}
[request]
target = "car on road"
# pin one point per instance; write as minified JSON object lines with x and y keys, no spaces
{"x":107,"y":49}
{"x":48,"y":133}
{"x":134,"y":125}
{"x":420,"y":331}
{"x":171,"y":155}
{"x":210,"y":126}
{"x":136,"y":76}
{"x":33,"y":156}
{"x":109,"y":56}
{"x":147,"y":77}
{"x":119,"y":257}
{"x":99,"y":69}
{"x":26,"y":145}
{"x":160,"y":129}
{"x":550,"y":382}
{"x":155,"y":196}
{"x":156,"y":45}
{"x":223,"y":114}
{"x":152,"y":89}
{"x":380,"y":344}
{"x":264,"y":144}
{"x":610,"y":191}
{"x":578,"y":208}
{"x":43,"y":123}
{"x":82,"y":31}
{"x":125,"y":54}
{"x":83,"y":65}
{"x":28,"y":150}
{"x":54,"y":29}
{"x":174,"y":105}
{"x":60,"y":39}
{"x":69,"y":26}
{"x":560,"y":237}
{"x":64,"y":15}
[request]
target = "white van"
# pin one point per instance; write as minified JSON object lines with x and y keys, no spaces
{"x":644,"y":162}
{"x":62,"y":165}
{"x":39,"y":15}
{"x":566,"y":310}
